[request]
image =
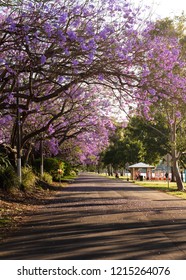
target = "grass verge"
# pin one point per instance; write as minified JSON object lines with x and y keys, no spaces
{"x":157,"y":185}
{"x":163,"y":186}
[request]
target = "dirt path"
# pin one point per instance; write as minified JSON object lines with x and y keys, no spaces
{"x":98,"y":218}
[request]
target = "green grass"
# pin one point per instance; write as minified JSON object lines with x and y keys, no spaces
{"x":163,"y":186}
{"x":69,"y":177}
{"x":157,"y":185}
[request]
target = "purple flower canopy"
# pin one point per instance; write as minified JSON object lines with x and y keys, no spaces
{"x":61,"y":58}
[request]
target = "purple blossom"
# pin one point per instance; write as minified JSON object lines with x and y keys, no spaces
{"x":53,"y":146}
{"x":178,"y":115}
{"x":171,"y":121}
{"x":101,"y":77}
{"x":61,"y":79}
{"x":66,"y":51}
{"x":43,"y":59}
{"x":12,"y":27}
{"x":63,"y":18}
{"x":90,"y":30}
{"x":48,"y":29}
{"x":90,"y":58}
{"x":72,"y":35}
{"x":152,"y":91}
{"x":10,"y":70}
{"x":103,"y":34}
{"x":84,"y":47}
{"x":75,"y":62}
{"x":2,"y":61}
{"x":51,"y":130}
{"x":61,"y":35}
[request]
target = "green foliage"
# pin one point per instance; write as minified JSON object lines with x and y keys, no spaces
{"x":56,"y":168}
{"x":51,"y":165}
{"x":122,"y":152}
{"x":29,"y":179}
{"x":164,"y":27}
{"x":73,"y":173}
{"x":8,"y":178}
{"x":58,"y":173}
{"x":36,"y":165}
{"x":57,"y":177}
{"x":141,"y":140}
{"x":69,"y":170}
{"x":154,"y":136}
{"x":47,"y":178}
{"x":4,"y":161}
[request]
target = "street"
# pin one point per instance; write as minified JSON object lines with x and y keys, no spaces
{"x":99,"y":218}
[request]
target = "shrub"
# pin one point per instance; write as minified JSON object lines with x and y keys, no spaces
{"x":57,"y":177}
{"x":73,"y":173}
{"x":29,"y":179}
{"x":9,"y":178}
{"x":47,"y":178}
{"x":52,"y":166}
{"x":70,"y":170}
{"x":4,"y":161}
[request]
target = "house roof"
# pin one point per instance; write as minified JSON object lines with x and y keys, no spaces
{"x":141,"y":165}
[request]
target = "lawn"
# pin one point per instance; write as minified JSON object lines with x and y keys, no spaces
{"x":158,"y":185}
{"x":163,"y":186}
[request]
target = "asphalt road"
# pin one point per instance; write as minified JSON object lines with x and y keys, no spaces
{"x":98,"y":218}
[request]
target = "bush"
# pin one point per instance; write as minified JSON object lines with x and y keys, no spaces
{"x":73,"y":173}
{"x":59,"y":173}
{"x":4,"y":161}
{"x":52,"y":166}
{"x":29,"y":179}
{"x":9,"y":178}
{"x":70,"y":170}
{"x":47,"y":178}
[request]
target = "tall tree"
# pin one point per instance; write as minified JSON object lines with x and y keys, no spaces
{"x":163,"y":86}
{"x":154,"y":136}
{"x":122,"y":149}
{"x":48,"y":48}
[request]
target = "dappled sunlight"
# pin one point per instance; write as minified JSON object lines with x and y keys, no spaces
{"x":98,"y":218}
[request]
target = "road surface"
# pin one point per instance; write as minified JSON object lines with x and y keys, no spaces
{"x":99,"y":218}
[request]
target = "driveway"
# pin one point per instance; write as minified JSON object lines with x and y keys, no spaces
{"x":99,"y":218}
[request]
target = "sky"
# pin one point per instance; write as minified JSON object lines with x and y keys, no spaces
{"x":166,"y":8}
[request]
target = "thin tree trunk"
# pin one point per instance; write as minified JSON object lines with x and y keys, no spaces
{"x":179,"y":182}
{"x":175,"y":157}
{"x":173,"y":179}
{"x":29,"y":150}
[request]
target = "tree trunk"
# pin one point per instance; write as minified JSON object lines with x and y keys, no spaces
{"x":173,"y":179}
{"x":175,"y":157}
{"x":176,"y":172}
{"x":26,"y":157}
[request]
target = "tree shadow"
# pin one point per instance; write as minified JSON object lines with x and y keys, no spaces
{"x":64,"y":240}
{"x":86,"y":222}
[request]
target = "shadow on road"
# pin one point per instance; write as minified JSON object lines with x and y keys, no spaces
{"x":63,"y":239}
{"x":99,"y":219}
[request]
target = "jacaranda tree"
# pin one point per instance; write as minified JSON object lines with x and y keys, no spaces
{"x":163,"y":87}
{"x":59,"y":58}
{"x":50,"y":51}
